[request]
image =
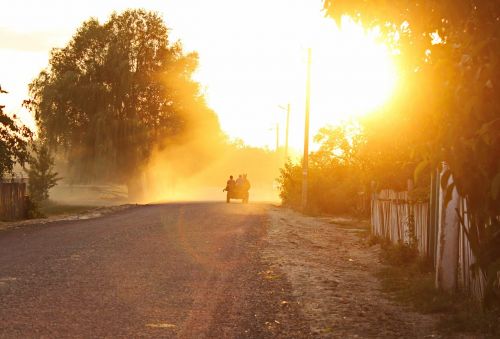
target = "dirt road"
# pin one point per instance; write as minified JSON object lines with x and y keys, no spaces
{"x":206,"y":270}
{"x":176,"y":270}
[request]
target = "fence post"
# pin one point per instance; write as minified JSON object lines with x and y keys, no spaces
{"x":432,"y":228}
{"x":448,"y":236}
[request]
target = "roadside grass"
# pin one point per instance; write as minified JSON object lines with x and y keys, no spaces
{"x":409,"y":279}
{"x":45,"y":210}
{"x":51,"y":208}
{"x":359,"y":226}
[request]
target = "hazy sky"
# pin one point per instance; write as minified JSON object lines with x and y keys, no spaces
{"x":252,"y":54}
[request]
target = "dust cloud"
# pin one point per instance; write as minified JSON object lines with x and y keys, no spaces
{"x":187,"y":172}
{"x":199,"y":171}
{"x":192,"y":163}
{"x":195,"y":165}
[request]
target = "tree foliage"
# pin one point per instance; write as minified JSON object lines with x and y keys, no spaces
{"x":336,"y":174}
{"x":451,"y":85}
{"x":449,"y":60}
{"x":14,"y":142}
{"x":117,"y":92}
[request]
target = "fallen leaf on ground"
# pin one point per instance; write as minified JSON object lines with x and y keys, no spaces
{"x":164,"y":325}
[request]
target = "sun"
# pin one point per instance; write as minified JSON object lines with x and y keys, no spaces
{"x":352,"y":73}
{"x":264,"y":67}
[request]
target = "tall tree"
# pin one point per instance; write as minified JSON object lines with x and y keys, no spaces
{"x":116,"y":92}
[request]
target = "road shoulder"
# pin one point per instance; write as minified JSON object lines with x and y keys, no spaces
{"x":331,"y":271}
{"x":90,"y":214}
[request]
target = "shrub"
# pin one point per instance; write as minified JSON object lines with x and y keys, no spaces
{"x":41,"y":175}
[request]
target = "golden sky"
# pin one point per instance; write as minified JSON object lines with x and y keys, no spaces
{"x":252,"y":58}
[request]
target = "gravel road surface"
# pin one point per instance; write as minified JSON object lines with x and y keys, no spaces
{"x":188,"y":270}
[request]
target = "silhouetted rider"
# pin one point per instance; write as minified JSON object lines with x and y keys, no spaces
{"x":245,"y":183}
{"x":230,"y":184}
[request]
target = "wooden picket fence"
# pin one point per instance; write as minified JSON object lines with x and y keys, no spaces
{"x":12,"y":200}
{"x":391,"y":213}
{"x":467,"y":281}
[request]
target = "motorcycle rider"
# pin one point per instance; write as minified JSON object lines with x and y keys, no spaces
{"x":230,"y":184}
{"x":240,"y":181}
{"x":245,"y":183}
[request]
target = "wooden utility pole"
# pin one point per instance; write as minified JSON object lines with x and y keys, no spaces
{"x":277,"y":136}
{"x":287,"y":129}
{"x":305,"y":161}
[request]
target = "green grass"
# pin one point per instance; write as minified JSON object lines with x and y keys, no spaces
{"x":52,"y":209}
{"x":409,"y":279}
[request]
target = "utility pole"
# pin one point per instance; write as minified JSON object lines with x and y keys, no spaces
{"x":287,"y":129}
{"x":277,"y":136}
{"x":305,"y":161}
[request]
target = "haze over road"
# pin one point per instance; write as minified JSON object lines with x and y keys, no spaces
{"x":173,"y":270}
